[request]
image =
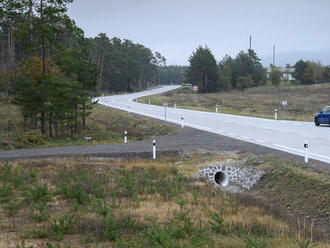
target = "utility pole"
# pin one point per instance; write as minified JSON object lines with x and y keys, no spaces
{"x":273,"y":55}
{"x":250,"y":42}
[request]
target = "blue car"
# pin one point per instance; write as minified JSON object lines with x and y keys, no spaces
{"x":323,"y":117}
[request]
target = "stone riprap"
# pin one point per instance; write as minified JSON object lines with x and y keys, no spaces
{"x":245,"y":177}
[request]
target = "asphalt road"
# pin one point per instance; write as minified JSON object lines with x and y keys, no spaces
{"x":288,"y":136}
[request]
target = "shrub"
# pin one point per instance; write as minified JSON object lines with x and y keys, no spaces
{"x":5,"y":193}
{"x":64,"y":224}
{"x":38,"y":193}
{"x":73,"y":192}
{"x":13,"y":207}
{"x":31,"y":138}
{"x":159,"y":237}
{"x":40,"y":214}
{"x":110,"y":229}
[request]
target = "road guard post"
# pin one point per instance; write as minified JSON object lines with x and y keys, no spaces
{"x":306,"y":151}
{"x":275,"y":114}
{"x":154,"y":149}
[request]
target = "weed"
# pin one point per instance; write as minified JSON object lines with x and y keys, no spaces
{"x":38,"y":193}
{"x":159,"y":237}
{"x":40,"y":214}
{"x":40,"y":233}
{"x":181,"y":225}
{"x":64,"y":224}
{"x":110,"y":229}
{"x":127,"y":184}
{"x":101,"y":208}
{"x":13,"y":207}
{"x":255,"y":244}
{"x":22,"y":245}
{"x":5,"y":193}
{"x":216,"y":223}
{"x":73,"y":192}
{"x":304,"y":243}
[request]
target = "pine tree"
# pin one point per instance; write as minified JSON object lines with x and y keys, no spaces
{"x":203,"y":70}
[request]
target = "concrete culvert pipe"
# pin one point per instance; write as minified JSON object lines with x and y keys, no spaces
{"x":221,"y":178}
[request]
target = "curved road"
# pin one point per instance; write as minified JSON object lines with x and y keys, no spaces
{"x":288,"y":136}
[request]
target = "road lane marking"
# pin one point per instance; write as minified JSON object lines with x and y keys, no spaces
{"x":318,"y":155}
{"x":288,"y":148}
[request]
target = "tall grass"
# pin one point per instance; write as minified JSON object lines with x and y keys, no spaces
{"x":131,"y":203}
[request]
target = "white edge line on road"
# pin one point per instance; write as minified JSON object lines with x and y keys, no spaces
{"x":220,"y":132}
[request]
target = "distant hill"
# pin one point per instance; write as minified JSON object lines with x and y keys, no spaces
{"x":291,"y":57}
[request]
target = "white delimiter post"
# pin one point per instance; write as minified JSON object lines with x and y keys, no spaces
{"x":306,"y":151}
{"x":154,"y":150}
{"x":216,"y":108}
{"x":275,"y":114}
{"x":182,"y":122}
{"x":174,"y":104}
{"x":125,"y":137}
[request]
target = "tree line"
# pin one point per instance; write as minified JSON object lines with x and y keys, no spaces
{"x":124,"y":65}
{"x":52,"y":70}
{"x":310,"y":72}
{"x":245,"y":70}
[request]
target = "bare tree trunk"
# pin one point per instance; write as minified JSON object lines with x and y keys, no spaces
{"x":43,"y":62}
{"x":50,"y":124}
{"x":205,"y":82}
{"x":11,"y":56}
{"x":76,"y":120}
{"x":33,"y":121}
{"x":84,"y":115}
{"x":31,"y":25}
{"x":55,"y":124}
{"x":2,"y":62}
{"x":101,"y":70}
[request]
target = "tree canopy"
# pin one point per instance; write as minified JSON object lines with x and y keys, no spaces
{"x":52,"y":71}
{"x":203,"y":70}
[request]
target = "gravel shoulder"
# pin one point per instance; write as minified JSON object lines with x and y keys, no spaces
{"x":184,"y":140}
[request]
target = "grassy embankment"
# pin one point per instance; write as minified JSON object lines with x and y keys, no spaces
{"x":104,"y":125}
{"x":303,"y":100}
{"x":142,"y":203}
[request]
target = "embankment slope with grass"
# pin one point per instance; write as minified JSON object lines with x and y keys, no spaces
{"x":104,"y":126}
{"x":143,"y":203}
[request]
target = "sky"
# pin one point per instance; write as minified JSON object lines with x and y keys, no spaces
{"x":175,"y":28}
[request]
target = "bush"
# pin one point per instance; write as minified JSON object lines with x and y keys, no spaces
{"x":31,"y":138}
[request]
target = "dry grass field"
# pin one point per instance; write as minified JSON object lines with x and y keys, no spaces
{"x":90,"y":202}
{"x":304,"y":101}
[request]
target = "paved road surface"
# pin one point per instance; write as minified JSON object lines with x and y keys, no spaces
{"x":288,"y":136}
